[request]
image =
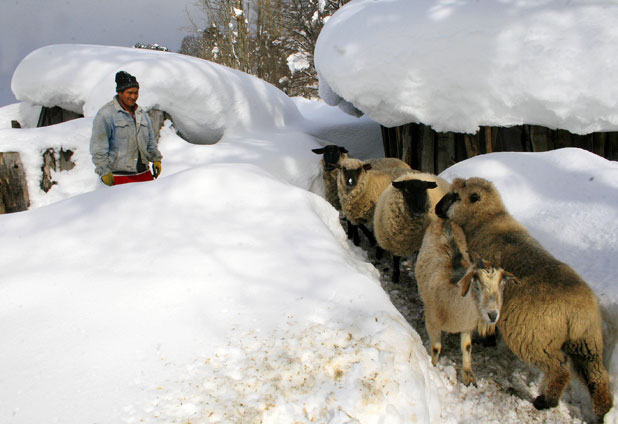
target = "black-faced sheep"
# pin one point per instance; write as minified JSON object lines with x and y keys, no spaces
{"x":332,"y":156}
{"x":460,"y":294}
{"x":359,"y":187}
{"x":552,"y":314}
{"x":403,"y":212}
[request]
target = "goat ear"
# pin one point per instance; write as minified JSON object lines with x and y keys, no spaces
{"x":465,"y":282}
{"x":318,"y":151}
{"x":475,"y":258}
{"x":367,"y":166}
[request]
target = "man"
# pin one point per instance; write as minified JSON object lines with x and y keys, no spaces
{"x":123,"y":142}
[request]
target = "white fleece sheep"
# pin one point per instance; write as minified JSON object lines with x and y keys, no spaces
{"x":403,"y":212}
{"x":359,"y":187}
{"x":332,"y":156}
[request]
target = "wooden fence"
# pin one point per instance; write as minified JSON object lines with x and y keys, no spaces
{"x":430,"y":151}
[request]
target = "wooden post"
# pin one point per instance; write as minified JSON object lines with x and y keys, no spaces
{"x":599,"y":141}
{"x":488,"y":140}
{"x":427,"y":138}
{"x":445,"y":154}
{"x":13,"y":185}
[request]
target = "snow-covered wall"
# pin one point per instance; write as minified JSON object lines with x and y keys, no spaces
{"x":81,"y":78}
{"x":457,"y":64}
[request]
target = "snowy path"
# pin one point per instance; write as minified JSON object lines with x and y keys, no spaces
{"x":505,"y":387}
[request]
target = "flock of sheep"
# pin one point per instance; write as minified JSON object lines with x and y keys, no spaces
{"x":477,"y":269}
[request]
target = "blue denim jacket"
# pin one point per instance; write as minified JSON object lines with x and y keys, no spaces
{"x":116,"y":139}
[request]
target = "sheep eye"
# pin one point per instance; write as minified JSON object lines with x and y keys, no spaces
{"x":474,"y":197}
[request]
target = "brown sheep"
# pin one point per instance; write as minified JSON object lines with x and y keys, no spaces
{"x":552,"y":314}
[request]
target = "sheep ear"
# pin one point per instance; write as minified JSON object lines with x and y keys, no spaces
{"x":367,"y":166}
{"x":398,"y":184}
{"x":507,"y":277}
{"x":466,"y":280}
{"x":343,"y":149}
{"x":431,"y":184}
{"x":318,"y":151}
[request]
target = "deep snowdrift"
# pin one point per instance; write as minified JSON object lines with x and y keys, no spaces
{"x":204,"y":99}
{"x":456,"y":65}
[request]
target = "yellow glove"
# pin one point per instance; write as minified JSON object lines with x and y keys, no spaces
{"x":156,"y":169}
{"x":108,"y":179}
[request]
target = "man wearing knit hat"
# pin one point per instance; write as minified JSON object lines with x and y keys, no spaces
{"x":123,"y":143}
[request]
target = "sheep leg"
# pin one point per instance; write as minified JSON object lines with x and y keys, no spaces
{"x":353,"y":233}
{"x":587,"y":358}
{"x":435,"y":339}
{"x":379,"y":252}
{"x":368,"y":234}
{"x":396,"y":272}
{"x":467,"y":376}
{"x":556,"y":376}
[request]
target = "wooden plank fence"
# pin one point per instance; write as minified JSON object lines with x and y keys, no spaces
{"x":430,"y":151}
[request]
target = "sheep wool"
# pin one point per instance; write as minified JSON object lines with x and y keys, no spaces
{"x":399,"y":230}
{"x":359,"y":188}
{"x":552,"y":313}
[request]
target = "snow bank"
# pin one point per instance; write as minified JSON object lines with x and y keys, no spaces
{"x":285,"y":154}
{"x":216,"y":294}
{"x":204,"y":99}
{"x":456,"y":65}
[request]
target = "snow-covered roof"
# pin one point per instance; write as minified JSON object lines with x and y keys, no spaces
{"x":457,"y":65}
{"x":81,"y":78}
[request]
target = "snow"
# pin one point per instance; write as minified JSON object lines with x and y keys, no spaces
{"x":457,"y":65}
{"x":227,"y":291}
{"x":229,"y":99}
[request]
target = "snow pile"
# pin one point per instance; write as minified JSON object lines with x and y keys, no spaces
{"x":204,"y":99}
{"x":220,"y":293}
{"x":456,"y":65}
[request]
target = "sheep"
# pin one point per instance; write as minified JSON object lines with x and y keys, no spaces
{"x":403,"y":212}
{"x":359,"y":187}
{"x":552,"y":314}
{"x":332,"y":157}
{"x":450,"y":305}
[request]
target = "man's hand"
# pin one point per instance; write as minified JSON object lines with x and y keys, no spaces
{"x":156,"y":169}
{"x":108,"y":179}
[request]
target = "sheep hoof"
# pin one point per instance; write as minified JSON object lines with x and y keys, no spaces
{"x":467,"y":377}
{"x":541,"y":403}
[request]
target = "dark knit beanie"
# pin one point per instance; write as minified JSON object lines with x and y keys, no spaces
{"x":125,"y":80}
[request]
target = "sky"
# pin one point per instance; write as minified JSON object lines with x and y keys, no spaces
{"x":227,"y":290}
{"x":26,"y":25}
